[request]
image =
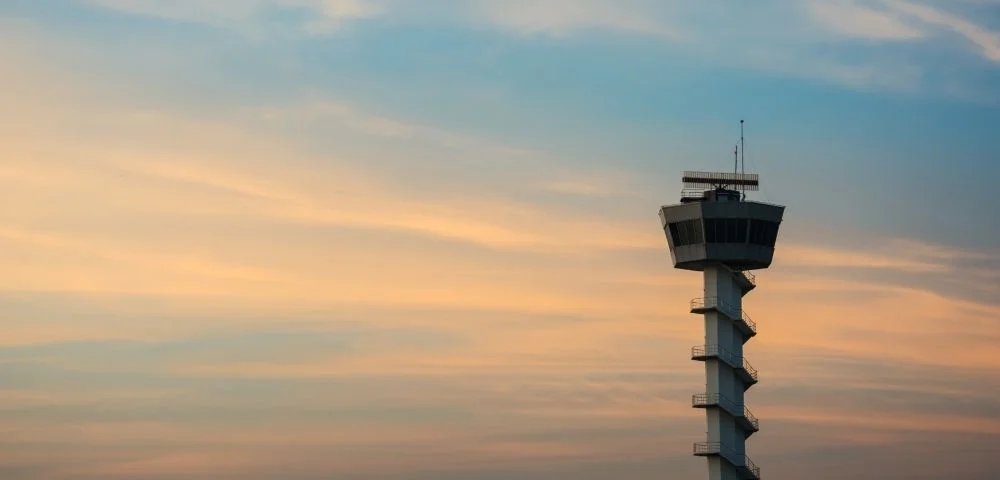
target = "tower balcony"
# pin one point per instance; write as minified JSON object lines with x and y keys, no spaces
{"x":747,"y":281}
{"x":747,"y":420}
{"x":740,"y":364}
{"x":709,"y":304}
{"x":750,"y":422}
{"x":747,"y":372}
{"x":706,"y":352}
{"x":707,"y":449}
{"x":747,"y":469}
{"x":706,"y":400}
{"x":748,"y":326}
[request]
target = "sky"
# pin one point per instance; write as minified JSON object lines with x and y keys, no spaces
{"x":418,"y":239}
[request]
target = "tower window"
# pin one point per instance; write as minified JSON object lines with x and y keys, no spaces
{"x":726,"y":230}
{"x":763,"y":233}
{"x":688,"y":232}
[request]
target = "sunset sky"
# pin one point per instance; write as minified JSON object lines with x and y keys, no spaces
{"x":418,"y":239}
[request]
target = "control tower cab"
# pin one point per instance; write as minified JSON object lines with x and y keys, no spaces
{"x":715,"y":224}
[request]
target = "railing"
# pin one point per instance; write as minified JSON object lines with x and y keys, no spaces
{"x":750,"y":323}
{"x":751,"y":418}
{"x":724,"y":307}
{"x":715,"y":448}
{"x":707,"y":448}
{"x":714,"y":302}
{"x":692,"y":193}
{"x":716,"y":351}
{"x":751,"y":466}
{"x":735,"y":409}
{"x":705,"y":399}
{"x":750,"y":277}
{"x":749,"y":368}
{"x":727,"y":356}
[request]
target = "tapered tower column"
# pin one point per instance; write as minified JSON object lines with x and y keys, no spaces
{"x":720,"y":234}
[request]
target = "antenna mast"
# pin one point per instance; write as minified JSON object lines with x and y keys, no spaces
{"x":736,"y":157}
{"x":743,"y":149}
{"x":743,"y":152}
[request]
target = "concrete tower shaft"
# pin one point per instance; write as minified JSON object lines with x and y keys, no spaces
{"x":723,"y":236}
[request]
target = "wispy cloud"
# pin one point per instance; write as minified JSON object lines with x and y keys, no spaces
{"x":853,"y":20}
{"x":986,"y":40}
{"x":327,"y":15}
{"x":222,"y":12}
{"x":564,"y":17}
{"x":811,"y":47}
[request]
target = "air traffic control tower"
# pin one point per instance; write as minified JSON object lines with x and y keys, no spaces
{"x":715,"y":230}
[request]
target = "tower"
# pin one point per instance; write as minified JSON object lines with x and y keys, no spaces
{"x":716,"y":231}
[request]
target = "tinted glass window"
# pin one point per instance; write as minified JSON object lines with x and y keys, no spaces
{"x":687,"y":232}
{"x":763,"y":233}
{"x":697,"y":234}
{"x":726,"y":230}
{"x":711,"y":230}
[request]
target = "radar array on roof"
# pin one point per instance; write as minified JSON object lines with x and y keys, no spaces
{"x":736,"y":181}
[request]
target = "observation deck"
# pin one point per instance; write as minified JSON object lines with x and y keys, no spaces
{"x":719,"y":226}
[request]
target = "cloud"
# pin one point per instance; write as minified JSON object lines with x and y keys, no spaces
{"x":853,"y":20}
{"x":899,"y":56}
{"x":901,"y":52}
{"x":987,"y":41}
{"x":563,"y":17}
{"x":327,"y":15}
{"x":333,"y":13}
{"x":220,"y":12}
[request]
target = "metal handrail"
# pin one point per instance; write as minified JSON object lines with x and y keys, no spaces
{"x":749,"y":368}
{"x":734,"y":360}
{"x":725,"y":307}
{"x":716,"y":447}
{"x":718,"y":351}
{"x":707,"y":447}
{"x":751,"y":418}
{"x":751,"y":466}
{"x":750,"y":276}
{"x":704,"y":399}
{"x":714,"y":302}
{"x":717,"y":399}
{"x":693,"y":193}
{"x":698,"y":302}
{"x":750,"y":323}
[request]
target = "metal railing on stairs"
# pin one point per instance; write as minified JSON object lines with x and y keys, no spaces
{"x":749,"y":368}
{"x":702,"y":400}
{"x":751,"y":466}
{"x":751,"y":418}
{"x":716,"y":448}
{"x":732,"y":359}
{"x":708,"y":303}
